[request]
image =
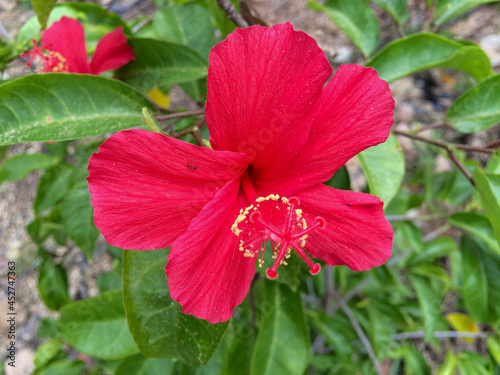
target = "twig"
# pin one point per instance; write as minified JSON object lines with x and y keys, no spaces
{"x":196,"y":112}
{"x":439,"y":335}
{"x":198,"y":125}
{"x":4,"y":32}
{"x":231,"y":13}
{"x":446,"y":145}
{"x":460,"y":166}
{"x":362,"y":335}
{"x":431,"y":126}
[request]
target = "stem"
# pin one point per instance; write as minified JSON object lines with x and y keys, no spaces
{"x":362,"y":336}
{"x":439,"y":335}
{"x":231,"y":13}
{"x":198,"y":125}
{"x":460,"y":166}
{"x":446,"y":145}
{"x":196,"y":112}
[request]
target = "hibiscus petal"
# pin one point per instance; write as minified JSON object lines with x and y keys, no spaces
{"x":207,"y":274}
{"x":355,"y":113}
{"x":112,"y":52}
{"x":262,"y":85}
{"x":356,"y":232}
{"x":146,"y":187}
{"x":67,"y":37}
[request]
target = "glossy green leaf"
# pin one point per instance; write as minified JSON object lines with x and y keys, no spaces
{"x":63,"y":367}
{"x":396,"y":8}
{"x":430,"y":303}
{"x":42,"y":227}
{"x":78,"y":215}
{"x":46,"y":352}
{"x":140,"y":365}
{"x":423,"y":51}
{"x":478,"y":108}
{"x":97,"y":327}
{"x":19,"y":166}
{"x":53,"y":284}
{"x":336,"y":332}
{"x":477,"y":225}
{"x":159,"y":64}
{"x":42,"y":9}
{"x":480,"y":285}
{"x":489,"y":189}
{"x":449,"y":364}
{"x":472,"y":364}
{"x":187,"y":24}
{"x":446,"y":10}
{"x":61,"y":106}
{"x":494,"y":348}
{"x":283,"y":329}
{"x":384,"y":168}
{"x":156,"y":322}
{"x":52,"y":188}
{"x":356,"y":19}
{"x":437,"y":248}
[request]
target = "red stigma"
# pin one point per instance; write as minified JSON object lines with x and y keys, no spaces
{"x":277,"y":220}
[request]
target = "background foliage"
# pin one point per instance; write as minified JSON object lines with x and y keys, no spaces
{"x":433,"y":308}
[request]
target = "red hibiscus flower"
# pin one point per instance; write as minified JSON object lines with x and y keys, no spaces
{"x":64,"y":43}
{"x":278,"y":132}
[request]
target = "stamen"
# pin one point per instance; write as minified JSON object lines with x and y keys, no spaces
{"x":37,"y":51}
{"x":278,"y":220}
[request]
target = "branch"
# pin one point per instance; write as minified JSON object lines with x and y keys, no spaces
{"x":198,"y":125}
{"x":196,"y":112}
{"x":362,"y":336}
{"x":439,"y":335}
{"x":449,"y":147}
{"x":446,"y":145}
{"x":231,"y":13}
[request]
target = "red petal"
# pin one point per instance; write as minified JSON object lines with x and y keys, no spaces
{"x":355,"y":113}
{"x":66,"y":37}
{"x":146,"y":187}
{"x":262,"y":85}
{"x":207,"y":274}
{"x":356,"y":232}
{"x":112,"y":52}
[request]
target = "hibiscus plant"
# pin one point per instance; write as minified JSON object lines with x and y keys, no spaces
{"x":260,"y":205}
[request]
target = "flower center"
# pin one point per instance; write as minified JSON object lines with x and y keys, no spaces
{"x":280,"y":221}
{"x":50,"y":62}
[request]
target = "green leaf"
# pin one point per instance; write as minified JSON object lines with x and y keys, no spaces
{"x":53,"y":284}
{"x":472,"y":364}
{"x":396,"y":8}
{"x":187,"y":24}
{"x":52,"y":188}
{"x":478,"y":108}
{"x":478,"y":226}
{"x":384,"y":168}
{"x":480,"y":285}
{"x":62,"y":106}
{"x":78,"y":214}
{"x":159,"y":64}
{"x":437,"y":248}
{"x":494,"y":348}
{"x":97,"y":327}
{"x":140,"y":365}
{"x":430,"y":304}
{"x":446,"y":10}
{"x":423,"y":51}
{"x":42,"y":9}
{"x":63,"y":367}
{"x":19,"y":166}
{"x":156,"y":322}
{"x":489,"y":189}
{"x":336,"y":332}
{"x":283,"y":329}
{"x":449,"y":364}
{"x":356,"y":19}
{"x":46,"y":352}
